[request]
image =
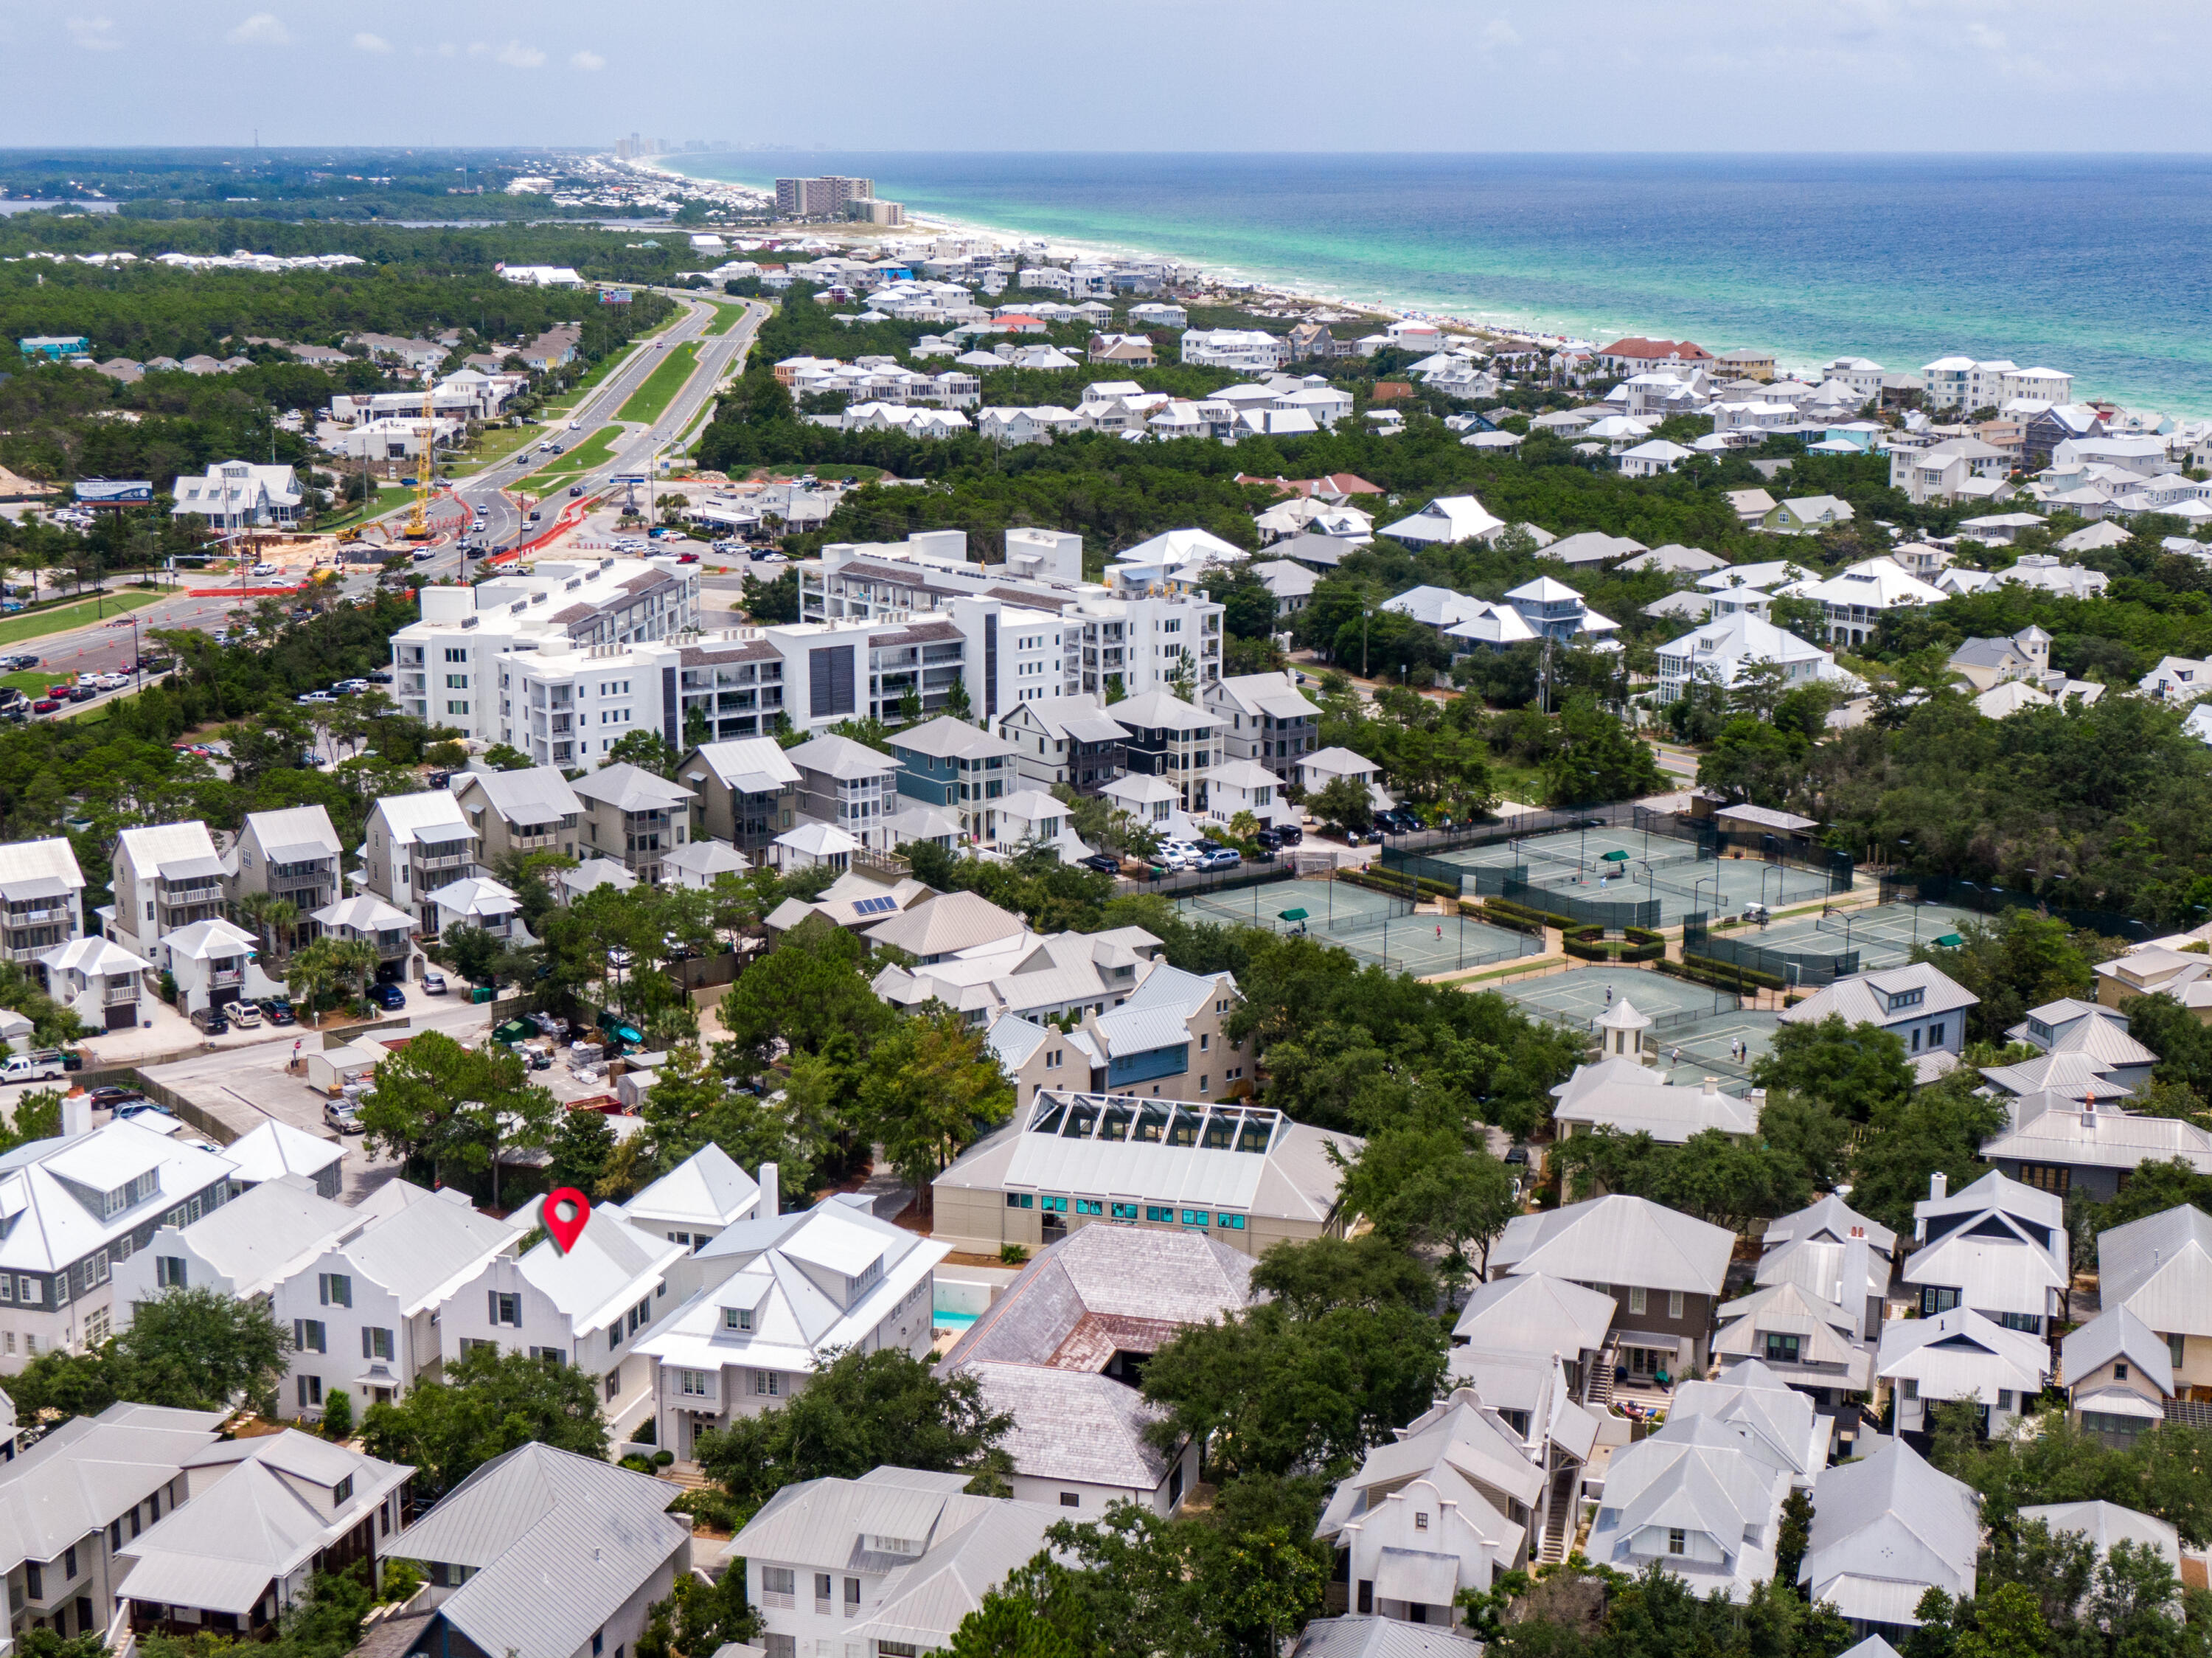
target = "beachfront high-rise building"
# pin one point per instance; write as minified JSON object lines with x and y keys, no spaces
{"x":820,"y":199}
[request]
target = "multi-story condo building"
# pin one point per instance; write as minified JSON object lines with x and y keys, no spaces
{"x":445,"y":668}
{"x":41,"y":898}
{"x":165,"y":876}
{"x":291,"y":855}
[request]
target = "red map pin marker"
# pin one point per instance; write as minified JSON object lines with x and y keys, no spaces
{"x":564,"y":1213}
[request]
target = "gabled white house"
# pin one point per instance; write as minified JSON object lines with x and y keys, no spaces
{"x":780,"y":1292}
{"x":585,"y":1305}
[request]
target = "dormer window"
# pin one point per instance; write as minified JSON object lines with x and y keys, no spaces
{"x":342,"y":1493}
{"x":737,"y":1318}
{"x":1911,"y":998}
{"x":130,"y":1194}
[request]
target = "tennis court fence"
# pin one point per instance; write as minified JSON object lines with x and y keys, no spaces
{"x":1995,"y":900}
{"x":1791,"y":966}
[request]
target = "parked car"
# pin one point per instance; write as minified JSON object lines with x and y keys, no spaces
{"x":434,"y":984}
{"x":382,"y":676}
{"x":264,"y":568}
{"x":81,"y":692}
{"x":278,"y":1011}
{"x":141,"y":1108}
{"x":341,"y":1116}
{"x":390,"y":997}
{"x":245,"y":1015}
{"x":115,"y":1100}
{"x":19,"y":664}
{"x":209,"y":1021}
{"x":45,"y":705}
{"x":1101,"y":863}
{"x":687,"y":558}
{"x":1219,"y":857}
{"x":315,"y":699}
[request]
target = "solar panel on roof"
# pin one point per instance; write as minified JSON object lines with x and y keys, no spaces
{"x":869,"y":906}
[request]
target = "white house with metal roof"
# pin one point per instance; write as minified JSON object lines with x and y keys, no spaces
{"x":1998,"y":1248}
{"x":1447,"y":519}
{"x":164,"y":876}
{"x":215,"y":963}
{"x":1443,"y":1508}
{"x":1959,"y":1355}
{"x":1621,"y":1092}
{"x":78,"y":1203}
{"x":892,"y":1562}
{"x":243,"y":1249}
{"x":1531,"y":1316}
{"x":1807,"y":1341}
{"x":275,"y":1148}
{"x":2103,"y":1524}
{"x":779,"y":1292}
{"x":1245,"y":1175}
{"x":41,"y":898}
{"x":414,"y":844}
{"x":697,"y":1200}
{"x":1885,"y":1530}
{"x":1269,"y":721}
{"x":585,"y":1305}
{"x":294,"y":855}
{"x":262,"y":1516}
{"x":88,"y":1481}
{"x":1701,"y":1498}
{"x":100,"y":982}
{"x":364,"y":1311}
{"x":541,"y":1553}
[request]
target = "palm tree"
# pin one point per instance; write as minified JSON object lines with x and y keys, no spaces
{"x":272,"y":917}
{"x":312,"y":971}
{"x":356,"y":959}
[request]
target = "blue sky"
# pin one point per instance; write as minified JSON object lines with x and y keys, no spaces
{"x":1175,"y":75}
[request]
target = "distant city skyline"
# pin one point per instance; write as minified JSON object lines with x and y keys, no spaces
{"x":1611,"y":76}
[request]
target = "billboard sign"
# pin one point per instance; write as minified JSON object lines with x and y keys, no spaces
{"x":115,"y":492}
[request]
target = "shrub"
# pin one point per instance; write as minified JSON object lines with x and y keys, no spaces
{"x":337,"y":1414}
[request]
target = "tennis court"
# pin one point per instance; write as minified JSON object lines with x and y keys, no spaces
{"x":1376,"y":928}
{"x":1578,"y":997}
{"x":1628,"y":864}
{"x":1884,"y":935}
{"x":1705,"y":1044}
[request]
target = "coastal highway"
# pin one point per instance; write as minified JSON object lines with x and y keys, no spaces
{"x":506,"y":525}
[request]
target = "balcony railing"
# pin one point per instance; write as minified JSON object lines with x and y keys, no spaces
{"x":116,"y":995}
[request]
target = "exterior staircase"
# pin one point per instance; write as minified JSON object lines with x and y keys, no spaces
{"x":689,"y":1475}
{"x":1597,"y":1386}
{"x":1559,"y":1518}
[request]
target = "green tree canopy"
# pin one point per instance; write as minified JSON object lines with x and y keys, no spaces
{"x":487,"y":1403}
{"x":196,"y":1349}
{"x":859,"y":1411}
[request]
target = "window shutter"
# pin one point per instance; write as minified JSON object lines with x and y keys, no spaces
{"x":364,"y":1341}
{"x":492,"y":1296}
{"x":299,"y":1335}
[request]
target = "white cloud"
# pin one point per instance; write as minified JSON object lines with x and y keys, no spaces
{"x":515,"y":55}
{"x":264,"y":28}
{"x":94,"y":34}
{"x":365,"y":42}
{"x":1500,"y":32}
{"x":586,"y":60}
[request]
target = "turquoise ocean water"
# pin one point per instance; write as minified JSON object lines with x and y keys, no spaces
{"x":2099,"y":266}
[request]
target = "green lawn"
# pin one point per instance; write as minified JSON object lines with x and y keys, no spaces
{"x":651,"y":400}
{"x":492,"y":445}
{"x":388,"y":496}
{"x":584,"y":388}
{"x":842,"y":469}
{"x":32,"y":683}
{"x":726,"y":317}
{"x":64,"y":618}
{"x":594,"y":451}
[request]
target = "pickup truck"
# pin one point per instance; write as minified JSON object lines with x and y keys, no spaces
{"x":31,"y":1067}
